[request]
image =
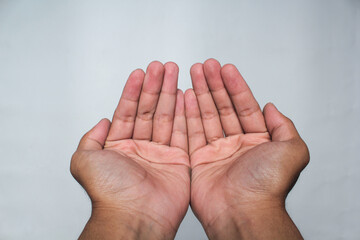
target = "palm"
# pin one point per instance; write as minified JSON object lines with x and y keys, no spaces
{"x":236,"y":174}
{"x":139,"y":175}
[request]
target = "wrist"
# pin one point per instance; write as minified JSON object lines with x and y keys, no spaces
{"x":263,"y":221}
{"x":111,"y":223}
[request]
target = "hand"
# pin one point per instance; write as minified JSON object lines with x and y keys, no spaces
{"x":136,"y":169}
{"x":240,"y":180}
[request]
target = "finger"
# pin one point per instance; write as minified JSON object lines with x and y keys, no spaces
{"x":179,"y":132}
{"x":247,"y":108}
{"x":280,"y":127}
{"x":148,"y":100}
{"x":196,"y":134}
{"x":124,"y":117}
{"x":164,"y":114}
{"x":95,"y":138}
{"x":229,"y":120}
{"x":209,"y":114}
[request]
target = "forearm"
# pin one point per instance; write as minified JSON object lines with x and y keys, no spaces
{"x":264,"y":223}
{"x":109,"y":224}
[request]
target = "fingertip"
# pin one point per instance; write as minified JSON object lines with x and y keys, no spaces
{"x":171,"y":67}
{"x":95,"y":138}
{"x":196,"y":69}
{"x":229,"y":66}
{"x":133,"y":85}
{"x":235,"y":83}
{"x":229,"y":70}
{"x":211,"y":60}
{"x":155,"y":67}
{"x":212,"y":73}
{"x":268,"y":107}
{"x":189,"y":95}
{"x":211,"y":63}
{"x":153,"y":80}
{"x":138,"y":73}
{"x":268,"y":104}
{"x":104,"y":125}
{"x":156,"y":62}
{"x":198,"y":79}
{"x":189,"y":92}
{"x":179,"y":95}
{"x":104,"y":121}
{"x":137,"y":77}
{"x":171,"y":72}
{"x":191,"y":104}
{"x":271,"y":111}
{"x":279,"y":126}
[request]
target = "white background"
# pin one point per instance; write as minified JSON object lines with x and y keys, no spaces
{"x":63,"y":65}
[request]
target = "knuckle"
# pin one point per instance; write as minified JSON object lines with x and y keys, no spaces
{"x":145,"y":115}
{"x":209,"y":115}
{"x":197,"y":133}
{"x":226,"y":110}
{"x":247,"y":111}
{"x":126,"y":118}
{"x":163,"y":117}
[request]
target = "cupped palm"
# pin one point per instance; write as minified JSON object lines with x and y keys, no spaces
{"x":240,"y":156}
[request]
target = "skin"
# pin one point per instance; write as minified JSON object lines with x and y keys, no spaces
{"x":136,"y":169}
{"x":243,"y":161}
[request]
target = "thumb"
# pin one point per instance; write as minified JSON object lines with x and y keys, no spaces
{"x":95,"y":138}
{"x":280,"y":127}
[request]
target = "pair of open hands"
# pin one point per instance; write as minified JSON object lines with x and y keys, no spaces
{"x":211,"y":147}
